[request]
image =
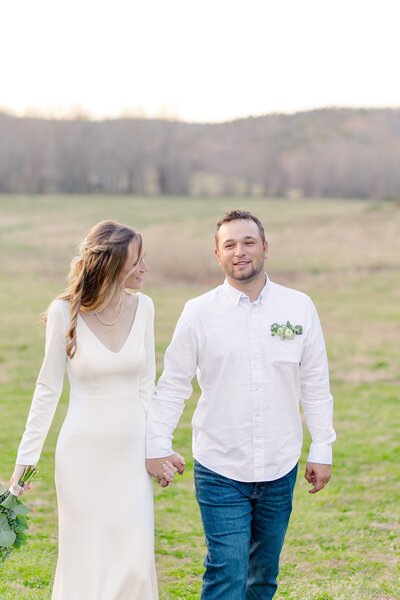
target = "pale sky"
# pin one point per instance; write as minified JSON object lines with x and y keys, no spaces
{"x":197,"y":60}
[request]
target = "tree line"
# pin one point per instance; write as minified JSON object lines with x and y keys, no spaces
{"x":320,"y":153}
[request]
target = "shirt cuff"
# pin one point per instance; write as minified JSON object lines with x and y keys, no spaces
{"x":26,"y":459}
{"x":159,"y":448}
{"x":321,"y":454}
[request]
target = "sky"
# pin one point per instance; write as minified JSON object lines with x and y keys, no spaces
{"x":196,"y":60}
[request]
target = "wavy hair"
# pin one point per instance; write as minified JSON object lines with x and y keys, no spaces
{"x":94,"y":277}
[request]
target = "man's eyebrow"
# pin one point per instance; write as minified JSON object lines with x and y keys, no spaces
{"x":247,"y":237}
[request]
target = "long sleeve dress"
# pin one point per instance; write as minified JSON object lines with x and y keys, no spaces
{"x":104,"y":494}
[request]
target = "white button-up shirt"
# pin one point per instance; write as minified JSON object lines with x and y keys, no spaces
{"x":247,"y":423}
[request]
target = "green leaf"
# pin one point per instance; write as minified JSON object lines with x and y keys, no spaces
{"x":21,"y":509}
{"x":4,"y":524}
{"x":7,"y":538}
{"x":274,"y":328}
{"x":20,"y":540}
{"x":10,"y":501}
{"x":20,"y":528}
{"x":22,"y":521}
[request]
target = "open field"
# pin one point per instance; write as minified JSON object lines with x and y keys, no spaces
{"x":342,"y":543}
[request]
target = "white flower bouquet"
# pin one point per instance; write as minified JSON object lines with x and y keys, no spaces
{"x":286,"y":332}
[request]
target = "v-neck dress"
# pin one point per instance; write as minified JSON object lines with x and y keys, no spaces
{"x":104,"y":494}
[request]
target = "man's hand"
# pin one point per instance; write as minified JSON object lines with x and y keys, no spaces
{"x":159,"y":468}
{"x":318,"y":475}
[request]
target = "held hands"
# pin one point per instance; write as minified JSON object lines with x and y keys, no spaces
{"x":15,"y":488}
{"x":318,"y":476}
{"x":164,"y":468}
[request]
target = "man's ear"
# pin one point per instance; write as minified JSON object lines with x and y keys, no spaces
{"x":216,"y":254}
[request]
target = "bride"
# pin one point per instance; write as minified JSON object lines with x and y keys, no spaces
{"x":103,"y":335}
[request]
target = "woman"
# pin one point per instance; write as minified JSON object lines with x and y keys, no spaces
{"x":104,"y":335}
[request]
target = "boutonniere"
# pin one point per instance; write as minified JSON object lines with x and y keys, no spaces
{"x":286,"y":332}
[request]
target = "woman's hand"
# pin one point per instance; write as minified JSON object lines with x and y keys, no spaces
{"x":165,"y":467}
{"x":15,"y":488}
{"x":169,"y":472}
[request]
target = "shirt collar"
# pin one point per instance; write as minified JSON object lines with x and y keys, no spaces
{"x":236,"y":295}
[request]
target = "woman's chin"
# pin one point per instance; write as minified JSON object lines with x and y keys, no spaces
{"x":134,"y":285}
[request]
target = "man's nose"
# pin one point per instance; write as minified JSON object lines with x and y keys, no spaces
{"x":240,"y":250}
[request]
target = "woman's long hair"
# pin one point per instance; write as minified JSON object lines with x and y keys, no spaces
{"x":94,"y":277}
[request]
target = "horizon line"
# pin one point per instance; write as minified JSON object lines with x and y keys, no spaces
{"x":81,"y":114}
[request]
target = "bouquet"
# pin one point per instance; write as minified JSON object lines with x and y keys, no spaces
{"x":13,"y":520}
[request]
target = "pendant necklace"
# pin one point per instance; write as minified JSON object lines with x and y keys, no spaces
{"x":115,"y":321}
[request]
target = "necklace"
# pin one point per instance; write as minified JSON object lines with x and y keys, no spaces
{"x":113,"y":322}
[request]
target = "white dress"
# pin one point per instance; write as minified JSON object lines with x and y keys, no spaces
{"x":104,"y":494}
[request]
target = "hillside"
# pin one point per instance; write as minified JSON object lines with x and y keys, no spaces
{"x":321,"y":153}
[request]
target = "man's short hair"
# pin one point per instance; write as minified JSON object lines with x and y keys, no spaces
{"x":235,"y":215}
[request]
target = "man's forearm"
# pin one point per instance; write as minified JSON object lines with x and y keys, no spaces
{"x":318,"y":416}
{"x":162,"y":419}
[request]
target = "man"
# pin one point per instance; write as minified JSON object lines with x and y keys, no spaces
{"x":257,"y":348}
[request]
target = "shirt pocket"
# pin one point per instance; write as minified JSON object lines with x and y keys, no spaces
{"x":286,"y":353}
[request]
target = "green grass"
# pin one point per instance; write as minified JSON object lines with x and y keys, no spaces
{"x":342,"y":543}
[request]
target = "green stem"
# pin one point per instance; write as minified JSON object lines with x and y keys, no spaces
{"x":27,"y":476}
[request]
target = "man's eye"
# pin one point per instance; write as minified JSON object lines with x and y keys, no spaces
{"x":229,"y":246}
{"x":249,"y":243}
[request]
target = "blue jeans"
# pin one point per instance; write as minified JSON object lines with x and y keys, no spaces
{"x":245,"y":526}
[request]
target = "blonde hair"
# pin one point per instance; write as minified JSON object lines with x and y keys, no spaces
{"x":94,"y":277}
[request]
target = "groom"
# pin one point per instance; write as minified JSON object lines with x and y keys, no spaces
{"x":257,"y":348}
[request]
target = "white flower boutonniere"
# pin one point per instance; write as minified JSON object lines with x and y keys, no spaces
{"x":286,"y":332}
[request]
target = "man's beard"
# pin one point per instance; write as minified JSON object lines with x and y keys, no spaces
{"x":254,"y":271}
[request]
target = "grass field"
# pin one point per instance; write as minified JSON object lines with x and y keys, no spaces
{"x":342,"y":543}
